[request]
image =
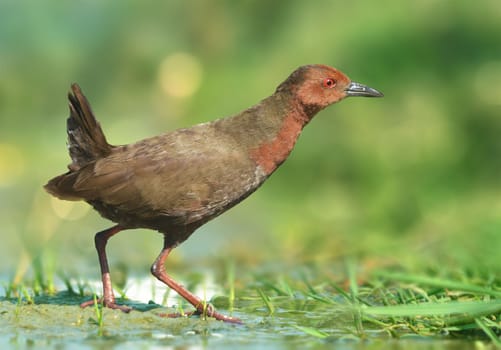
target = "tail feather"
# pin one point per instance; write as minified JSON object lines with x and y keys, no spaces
{"x":62,"y":186}
{"x":86,"y":140}
{"x":86,"y":144}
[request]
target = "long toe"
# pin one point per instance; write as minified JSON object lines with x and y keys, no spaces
{"x":90,"y":303}
{"x":177,"y":314}
{"x":111,"y":305}
{"x":216,"y":315}
{"x":228,"y":319}
{"x":210,"y":311}
{"x":123,"y":308}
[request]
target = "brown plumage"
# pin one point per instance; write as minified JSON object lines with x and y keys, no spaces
{"x":177,"y":181}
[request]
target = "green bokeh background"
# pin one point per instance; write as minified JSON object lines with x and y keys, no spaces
{"x":411,"y":177}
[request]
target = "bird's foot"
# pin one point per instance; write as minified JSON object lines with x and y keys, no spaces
{"x":224,"y":318}
{"x":108,"y":304}
{"x":209,"y":311}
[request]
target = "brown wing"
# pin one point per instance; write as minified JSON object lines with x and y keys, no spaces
{"x":184,"y":174}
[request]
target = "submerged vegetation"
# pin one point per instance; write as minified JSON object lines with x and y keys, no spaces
{"x":303,"y":306}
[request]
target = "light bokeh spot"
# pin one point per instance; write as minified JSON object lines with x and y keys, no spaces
{"x":69,"y":210}
{"x":12,"y":164}
{"x":180,"y":75}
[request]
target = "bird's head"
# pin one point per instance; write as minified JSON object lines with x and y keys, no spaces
{"x":318,"y":86}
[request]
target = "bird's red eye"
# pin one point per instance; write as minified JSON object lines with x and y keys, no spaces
{"x":329,"y":83}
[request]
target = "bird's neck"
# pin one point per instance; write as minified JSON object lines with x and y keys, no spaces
{"x":271,"y":129}
{"x":271,"y":152}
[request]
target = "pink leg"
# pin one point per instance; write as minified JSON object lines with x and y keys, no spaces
{"x":158,"y":270}
{"x":108,"y":299}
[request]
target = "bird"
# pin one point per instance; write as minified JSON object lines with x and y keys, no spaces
{"x":177,"y":181}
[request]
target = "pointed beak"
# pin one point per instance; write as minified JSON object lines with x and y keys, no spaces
{"x":356,"y":89}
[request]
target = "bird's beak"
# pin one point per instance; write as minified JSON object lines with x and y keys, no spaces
{"x":356,"y":89}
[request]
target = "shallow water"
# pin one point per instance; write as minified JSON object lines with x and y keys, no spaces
{"x":58,"y":322}
{"x":65,"y":326}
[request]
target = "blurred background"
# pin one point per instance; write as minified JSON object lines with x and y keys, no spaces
{"x":413,"y":177}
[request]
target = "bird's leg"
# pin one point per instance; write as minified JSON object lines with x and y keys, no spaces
{"x":108,"y":299}
{"x":202,"y":308}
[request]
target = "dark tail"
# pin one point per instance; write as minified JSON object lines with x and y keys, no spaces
{"x":86,"y":140}
{"x":86,"y":143}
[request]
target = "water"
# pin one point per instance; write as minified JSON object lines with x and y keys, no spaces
{"x":58,"y":322}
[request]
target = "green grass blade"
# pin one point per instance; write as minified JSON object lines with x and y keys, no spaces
{"x":435,"y":309}
{"x":231,"y":284}
{"x":312,"y":331}
{"x":439,"y":282}
{"x":267,"y":302}
{"x":489,"y":332}
{"x":351,"y":267}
